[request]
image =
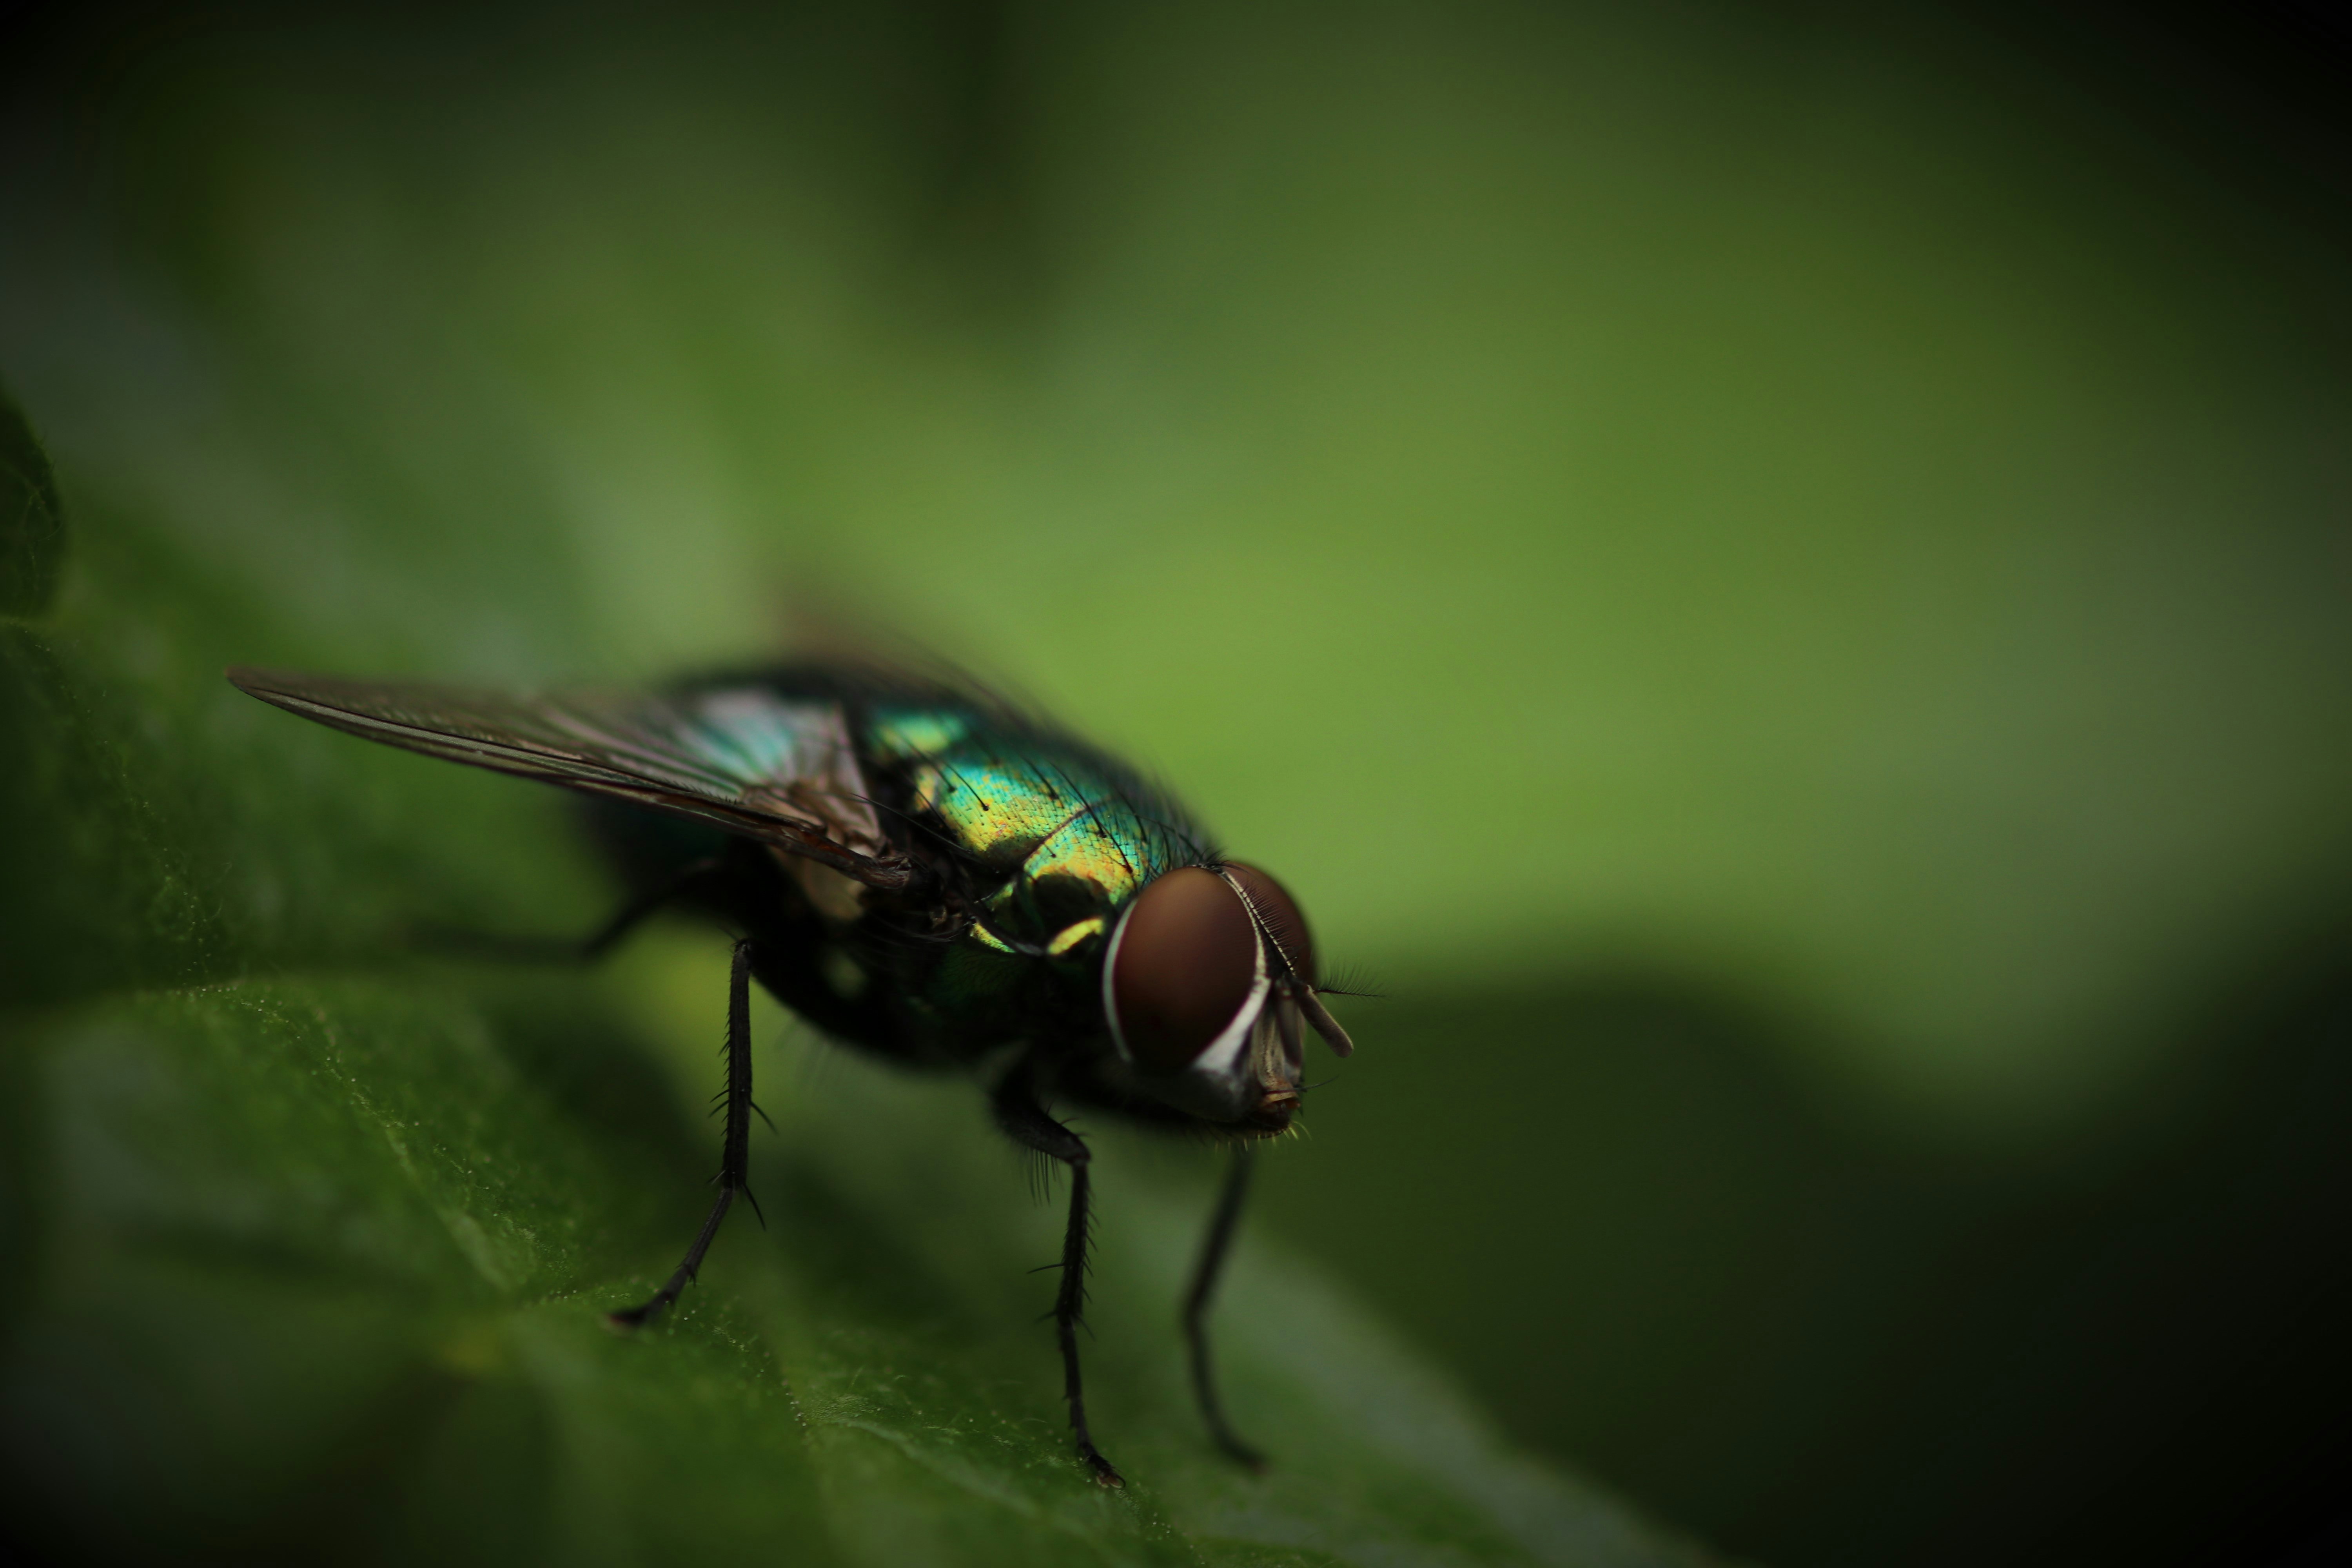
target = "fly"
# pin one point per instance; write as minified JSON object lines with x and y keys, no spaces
{"x":924,"y":873}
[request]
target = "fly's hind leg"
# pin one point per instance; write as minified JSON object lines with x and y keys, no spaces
{"x":644,"y":907}
{"x":1026,"y":1122}
{"x":734,"y":1157}
{"x":1213,"y":1246}
{"x":461,"y":943}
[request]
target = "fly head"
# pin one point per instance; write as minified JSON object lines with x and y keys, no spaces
{"x":1208,"y":978}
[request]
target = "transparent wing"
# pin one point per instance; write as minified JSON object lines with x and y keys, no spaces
{"x":769,"y":767}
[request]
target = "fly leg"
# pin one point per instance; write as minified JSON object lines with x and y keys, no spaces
{"x":734,"y":1157}
{"x":645,"y":905}
{"x":1213,"y":1246}
{"x":569,"y":950}
{"x":1026,"y":1122}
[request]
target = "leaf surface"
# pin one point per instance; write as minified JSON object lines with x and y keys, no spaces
{"x":316,"y":1234}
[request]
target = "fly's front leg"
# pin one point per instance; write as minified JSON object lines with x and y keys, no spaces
{"x":1026,"y":1122}
{"x":734,"y":1156}
{"x":1213,"y":1246}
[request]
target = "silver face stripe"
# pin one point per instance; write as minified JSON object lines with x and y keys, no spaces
{"x":1221,"y":1058}
{"x":1110,"y":967}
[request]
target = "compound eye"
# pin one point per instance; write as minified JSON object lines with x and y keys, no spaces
{"x":1182,"y":967}
{"x":1284,"y":924}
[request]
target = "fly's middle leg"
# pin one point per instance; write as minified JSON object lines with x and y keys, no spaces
{"x":1026,"y":1122}
{"x":735,"y":1151}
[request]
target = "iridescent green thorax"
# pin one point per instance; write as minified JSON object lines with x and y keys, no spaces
{"x":1073,"y":836}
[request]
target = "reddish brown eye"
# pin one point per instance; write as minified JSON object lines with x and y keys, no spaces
{"x":1283,"y":922}
{"x":1184,"y":963}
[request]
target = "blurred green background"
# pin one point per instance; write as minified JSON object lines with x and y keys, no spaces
{"x":1774,"y":577}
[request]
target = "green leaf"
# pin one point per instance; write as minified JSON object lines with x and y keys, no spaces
{"x":32,"y":526}
{"x":315,"y":1236}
